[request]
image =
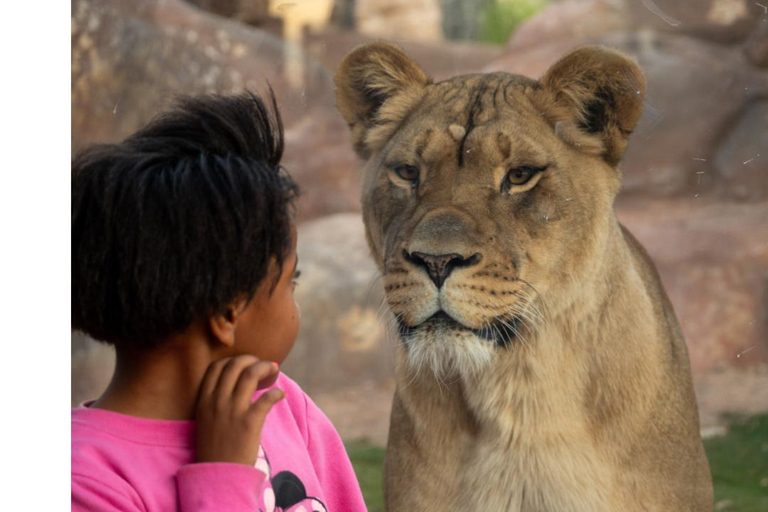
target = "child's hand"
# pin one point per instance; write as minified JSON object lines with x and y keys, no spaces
{"x":228,"y":424}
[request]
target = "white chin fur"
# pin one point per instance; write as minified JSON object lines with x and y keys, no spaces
{"x":448,"y":353}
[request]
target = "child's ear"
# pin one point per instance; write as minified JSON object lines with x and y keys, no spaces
{"x":223,"y":326}
{"x":377,"y":85}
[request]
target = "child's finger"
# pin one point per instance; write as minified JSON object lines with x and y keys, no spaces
{"x":259,"y":409}
{"x":229,"y":375}
{"x":249,"y":380}
{"x":211,"y":378}
{"x":270,"y":380}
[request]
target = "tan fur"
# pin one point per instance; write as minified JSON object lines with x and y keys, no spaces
{"x":589,"y":406}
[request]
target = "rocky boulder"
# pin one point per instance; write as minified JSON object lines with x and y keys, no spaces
{"x":346,"y":336}
{"x":410,"y":20}
{"x":713,"y":260}
{"x":440,"y":60}
{"x":724,"y":21}
{"x":568,"y":21}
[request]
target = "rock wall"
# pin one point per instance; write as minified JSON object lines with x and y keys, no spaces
{"x":696,"y":171}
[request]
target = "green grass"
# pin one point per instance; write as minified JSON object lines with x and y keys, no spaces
{"x":368,"y":460}
{"x":739,"y":463}
{"x":499,"y":18}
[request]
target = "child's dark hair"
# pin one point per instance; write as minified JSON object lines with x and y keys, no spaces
{"x":180,"y":220}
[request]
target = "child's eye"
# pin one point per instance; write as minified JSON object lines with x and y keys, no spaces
{"x":296,"y":276}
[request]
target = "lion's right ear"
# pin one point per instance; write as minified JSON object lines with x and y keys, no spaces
{"x":377,"y":85}
{"x":595,"y":96}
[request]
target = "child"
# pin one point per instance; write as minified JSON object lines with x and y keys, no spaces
{"x":184,"y":258}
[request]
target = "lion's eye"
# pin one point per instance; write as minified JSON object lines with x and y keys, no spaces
{"x":520,"y":175}
{"x":408,"y":173}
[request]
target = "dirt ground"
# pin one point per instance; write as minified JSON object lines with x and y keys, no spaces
{"x":363,"y":412}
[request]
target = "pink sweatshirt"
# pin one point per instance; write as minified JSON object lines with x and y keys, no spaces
{"x":124,"y":463}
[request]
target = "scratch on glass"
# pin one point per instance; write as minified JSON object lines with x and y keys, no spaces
{"x":745,"y":351}
{"x":658,"y":12}
{"x":751,"y":159}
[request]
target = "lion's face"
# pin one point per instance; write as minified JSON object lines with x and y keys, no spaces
{"x":485,"y":197}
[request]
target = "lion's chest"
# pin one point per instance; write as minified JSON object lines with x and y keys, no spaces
{"x":538,"y":474}
{"x":532,"y":451}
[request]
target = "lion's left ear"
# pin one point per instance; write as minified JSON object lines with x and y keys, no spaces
{"x":594,"y":95}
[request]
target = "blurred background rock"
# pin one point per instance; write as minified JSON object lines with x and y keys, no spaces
{"x":696,"y":171}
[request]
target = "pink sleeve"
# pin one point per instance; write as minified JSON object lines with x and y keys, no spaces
{"x":219,"y":486}
{"x":91,"y":495}
{"x":331,"y":462}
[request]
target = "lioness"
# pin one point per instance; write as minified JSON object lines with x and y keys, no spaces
{"x":541,"y":366}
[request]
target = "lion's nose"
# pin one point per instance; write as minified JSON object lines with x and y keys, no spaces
{"x":440,"y":266}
